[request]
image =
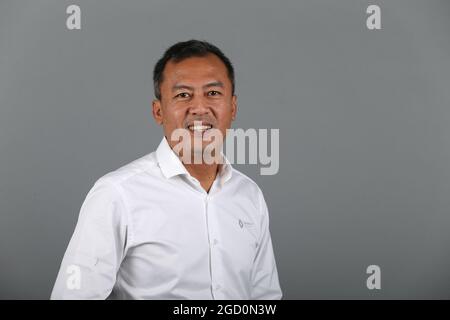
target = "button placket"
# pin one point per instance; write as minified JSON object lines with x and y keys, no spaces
{"x":210,"y":257}
{"x":214,"y":236}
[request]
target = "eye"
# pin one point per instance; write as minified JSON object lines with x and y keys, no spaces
{"x":182,"y":95}
{"x":214,"y":93}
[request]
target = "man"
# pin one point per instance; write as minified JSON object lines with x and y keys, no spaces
{"x":165,"y":227}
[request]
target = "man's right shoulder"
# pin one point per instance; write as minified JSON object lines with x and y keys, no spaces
{"x":145,"y":165}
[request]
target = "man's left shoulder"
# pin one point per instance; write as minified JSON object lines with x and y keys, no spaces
{"x":248,"y":185}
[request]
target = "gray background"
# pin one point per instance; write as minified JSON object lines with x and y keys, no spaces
{"x":363,"y":116}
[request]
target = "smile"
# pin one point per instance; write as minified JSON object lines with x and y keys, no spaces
{"x":199,"y":128}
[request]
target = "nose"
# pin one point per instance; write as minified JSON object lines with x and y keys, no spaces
{"x":199,"y":106}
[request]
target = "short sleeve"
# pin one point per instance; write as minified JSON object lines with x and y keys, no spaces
{"x":97,"y":246}
{"x":265,"y":283}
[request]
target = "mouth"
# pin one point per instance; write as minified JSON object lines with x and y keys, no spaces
{"x":199,"y":126}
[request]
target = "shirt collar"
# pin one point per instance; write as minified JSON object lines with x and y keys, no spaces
{"x":171,"y":164}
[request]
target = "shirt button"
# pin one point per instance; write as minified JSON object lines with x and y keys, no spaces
{"x":218,"y":287}
{"x":215,"y":242}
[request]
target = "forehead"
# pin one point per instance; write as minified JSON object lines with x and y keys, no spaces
{"x":206,"y":68}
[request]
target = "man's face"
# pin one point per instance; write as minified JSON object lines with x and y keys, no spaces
{"x":195,"y":89}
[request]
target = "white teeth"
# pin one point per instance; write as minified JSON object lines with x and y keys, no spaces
{"x":199,"y":128}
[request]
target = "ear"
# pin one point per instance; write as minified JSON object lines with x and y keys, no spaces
{"x":233,"y":107}
{"x":157,"y":111}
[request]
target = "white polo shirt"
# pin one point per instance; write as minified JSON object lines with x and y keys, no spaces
{"x":148,"y":230}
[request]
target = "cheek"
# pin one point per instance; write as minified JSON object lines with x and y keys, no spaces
{"x":175,"y":116}
{"x":224,"y":110}
{"x":225,"y":118}
{"x":223,"y":128}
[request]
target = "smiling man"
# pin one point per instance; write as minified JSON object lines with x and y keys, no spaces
{"x":165,"y":227}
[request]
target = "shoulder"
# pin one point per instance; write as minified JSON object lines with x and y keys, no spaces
{"x":129,"y":172}
{"x":248,"y":186}
{"x":107,"y":197}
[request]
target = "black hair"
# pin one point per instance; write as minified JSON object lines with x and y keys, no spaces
{"x":183,"y":50}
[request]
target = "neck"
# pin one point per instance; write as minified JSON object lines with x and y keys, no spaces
{"x":204,"y":173}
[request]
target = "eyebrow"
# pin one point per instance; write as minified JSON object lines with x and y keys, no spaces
{"x":208,"y":85}
{"x":214,"y":84}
